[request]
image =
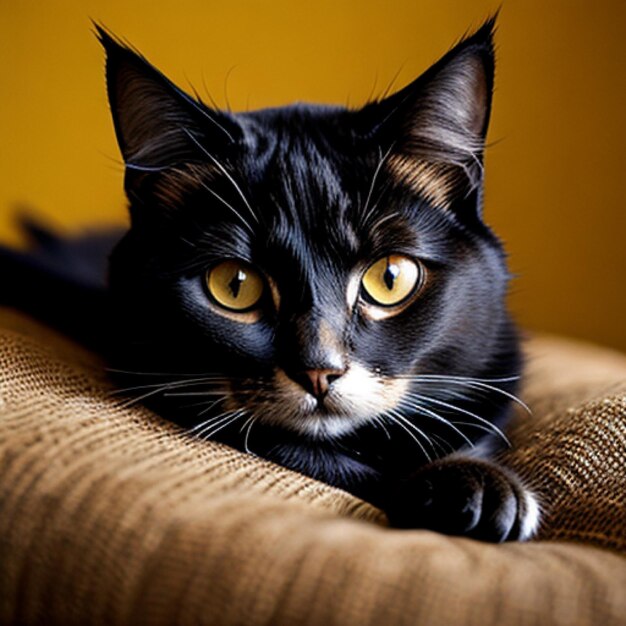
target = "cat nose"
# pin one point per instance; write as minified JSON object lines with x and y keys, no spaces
{"x":318,"y":381}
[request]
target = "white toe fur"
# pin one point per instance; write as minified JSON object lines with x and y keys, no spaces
{"x":532,"y":516}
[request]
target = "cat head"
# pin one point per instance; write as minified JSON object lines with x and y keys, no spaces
{"x":306,"y":265}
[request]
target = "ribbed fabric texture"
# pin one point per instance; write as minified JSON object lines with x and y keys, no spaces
{"x":110,"y":515}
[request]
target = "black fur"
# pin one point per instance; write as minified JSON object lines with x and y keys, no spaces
{"x":307,"y":195}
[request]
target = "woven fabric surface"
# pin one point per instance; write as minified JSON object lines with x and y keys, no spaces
{"x":110,"y":515}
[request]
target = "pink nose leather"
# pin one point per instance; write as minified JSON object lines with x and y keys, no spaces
{"x":317,"y":382}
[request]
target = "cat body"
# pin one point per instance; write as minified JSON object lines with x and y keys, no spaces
{"x":316,"y":286}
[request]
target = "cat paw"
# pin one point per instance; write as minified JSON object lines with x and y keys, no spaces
{"x":468,"y":497}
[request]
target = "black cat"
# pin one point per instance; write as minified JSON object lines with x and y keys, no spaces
{"x":314,"y":285}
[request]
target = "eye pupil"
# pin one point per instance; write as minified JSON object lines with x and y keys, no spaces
{"x":235,"y":284}
{"x":390,"y":275}
{"x":391,"y":280}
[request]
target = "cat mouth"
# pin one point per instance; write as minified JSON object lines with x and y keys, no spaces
{"x":322,"y":409}
{"x":330,"y":405}
{"x":318,"y":407}
{"x":361,"y":396}
{"x":294,"y":409}
{"x":324,"y":424}
{"x":328,"y":409}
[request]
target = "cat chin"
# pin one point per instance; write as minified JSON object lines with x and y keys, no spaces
{"x":324,"y":426}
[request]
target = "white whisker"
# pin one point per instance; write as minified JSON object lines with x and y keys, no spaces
{"x":233,"y":418}
{"x":477,"y":383}
{"x":450,"y":447}
{"x":401,"y":421}
{"x":366,"y":211}
{"x":211,"y":422}
{"x":459,"y":409}
{"x":248,"y":423}
{"x":184,"y":394}
{"x":378,"y":420}
{"x":436,"y":416}
{"x":177,"y":374}
{"x":229,"y":206}
{"x":224,"y":171}
{"x":507,"y":379}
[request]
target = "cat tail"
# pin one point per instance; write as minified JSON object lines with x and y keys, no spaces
{"x":60,"y":280}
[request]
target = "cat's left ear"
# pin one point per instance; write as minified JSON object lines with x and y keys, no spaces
{"x":157,"y":124}
{"x":435,"y":127}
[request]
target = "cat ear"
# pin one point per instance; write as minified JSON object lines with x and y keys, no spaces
{"x":157,"y":124}
{"x":436,"y":126}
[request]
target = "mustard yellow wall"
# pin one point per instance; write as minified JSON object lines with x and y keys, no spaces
{"x":555,"y":175}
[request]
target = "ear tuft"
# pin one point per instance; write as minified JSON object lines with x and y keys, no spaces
{"x":437,"y":124}
{"x":108,"y":40}
{"x":155,"y":121}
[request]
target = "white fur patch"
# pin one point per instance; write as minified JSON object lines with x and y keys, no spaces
{"x":357,"y":397}
{"x":532,"y":516}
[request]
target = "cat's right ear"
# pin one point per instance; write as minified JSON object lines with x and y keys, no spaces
{"x":435,"y":127}
{"x":157,"y":124}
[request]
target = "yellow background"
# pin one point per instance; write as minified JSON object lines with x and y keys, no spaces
{"x":555,"y":173}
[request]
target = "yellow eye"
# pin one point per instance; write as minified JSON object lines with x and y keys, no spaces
{"x":235,"y":285}
{"x":391,"y":280}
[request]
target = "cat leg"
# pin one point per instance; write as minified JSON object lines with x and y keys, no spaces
{"x":463,"y":495}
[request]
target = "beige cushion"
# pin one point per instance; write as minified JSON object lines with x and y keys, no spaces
{"x":111,"y":515}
